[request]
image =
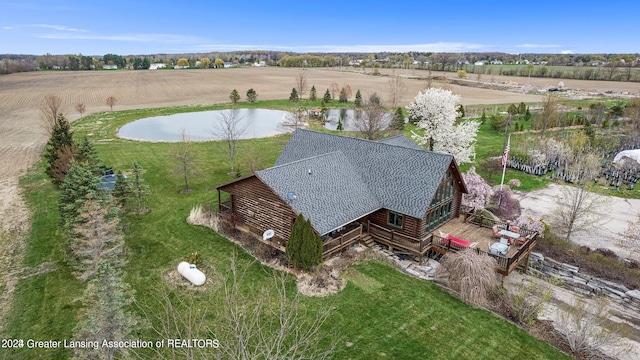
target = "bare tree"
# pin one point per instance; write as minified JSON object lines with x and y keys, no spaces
{"x":372,"y":120}
{"x":471,"y":274}
{"x":229,"y":128}
{"x":111,"y":101}
{"x":549,"y":113}
{"x":612,"y":66}
{"x":81,"y":108}
{"x":397,"y":89}
{"x":248,"y":325}
{"x":50,"y":109}
{"x":296,"y":118}
{"x":335,"y":89}
{"x":348,"y":91}
{"x":578,"y":210}
{"x":184,"y":158}
{"x":529,"y":298}
{"x":301,"y":83}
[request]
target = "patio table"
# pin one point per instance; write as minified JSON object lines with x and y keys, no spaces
{"x":510,"y":234}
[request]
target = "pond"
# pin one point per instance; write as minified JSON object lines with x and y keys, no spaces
{"x":206,"y":125}
{"x":346,"y":116}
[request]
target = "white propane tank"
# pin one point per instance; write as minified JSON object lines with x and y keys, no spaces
{"x":191,"y":273}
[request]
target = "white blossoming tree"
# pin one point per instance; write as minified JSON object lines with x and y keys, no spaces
{"x":435,"y":112}
{"x":479,"y":190}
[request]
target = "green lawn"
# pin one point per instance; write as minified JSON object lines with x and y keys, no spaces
{"x":382,"y":312}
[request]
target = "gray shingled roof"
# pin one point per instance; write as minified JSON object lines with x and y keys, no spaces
{"x":401,"y":177}
{"x":401,"y":140}
{"x":332,"y":195}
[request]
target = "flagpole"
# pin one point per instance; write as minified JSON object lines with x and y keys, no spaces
{"x":504,"y":160}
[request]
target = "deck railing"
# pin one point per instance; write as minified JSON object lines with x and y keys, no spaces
{"x":225,"y":206}
{"x":505,"y":264}
{"x":483,"y":221}
{"x":342,"y":241}
{"x":398,"y":240}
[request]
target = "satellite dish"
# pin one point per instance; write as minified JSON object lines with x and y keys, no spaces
{"x":268,"y":234}
{"x":291,"y":195}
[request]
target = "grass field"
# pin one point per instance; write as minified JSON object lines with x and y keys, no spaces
{"x":382,"y":312}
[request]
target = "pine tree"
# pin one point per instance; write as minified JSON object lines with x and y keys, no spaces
{"x":358,"y":102}
{"x":295,"y":241}
{"x":97,"y":237}
{"x":522,"y":108}
{"x":61,"y":141}
{"x":311,"y":249}
{"x":234,"y":96}
{"x":252,"y":95}
{"x":294,"y":96}
{"x":460,"y":111}
{"x":483,"y":117}
{"x":304,"y":248}
{"x":327,"y":97}
{"x":340,"y":127}
{"x":86,"y":153}
{"x":398,"y":120}
{"x":79,"y":186}
{"x":343,"y":96}
{"x":122,"y":191}
{"x":106,"y":317}
{"x":527,"y":115}
{"x":313,"y":96}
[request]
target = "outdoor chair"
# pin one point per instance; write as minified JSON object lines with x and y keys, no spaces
{"x":495,"y":232}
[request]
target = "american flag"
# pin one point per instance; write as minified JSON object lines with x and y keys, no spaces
{"x":506,"y":152}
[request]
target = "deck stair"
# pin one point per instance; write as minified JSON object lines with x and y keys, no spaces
{"x":367,"y":240}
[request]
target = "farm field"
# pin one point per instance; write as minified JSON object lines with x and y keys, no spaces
{"x":21,"y":95}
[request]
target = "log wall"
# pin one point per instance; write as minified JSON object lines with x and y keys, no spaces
{"x":259,"y":208}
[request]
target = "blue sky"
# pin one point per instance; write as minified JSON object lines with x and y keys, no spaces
{"x":147,"y":27}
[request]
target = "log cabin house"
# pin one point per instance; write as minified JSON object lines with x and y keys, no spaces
{"x":353,"y":190}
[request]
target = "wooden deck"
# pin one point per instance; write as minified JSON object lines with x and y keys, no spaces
{"x":472,"y":233}
{"x":479,"y":231}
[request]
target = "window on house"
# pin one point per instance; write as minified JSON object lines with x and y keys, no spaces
{"x":395,"y":219}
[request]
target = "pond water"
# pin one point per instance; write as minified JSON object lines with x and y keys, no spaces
{"x":346,"y":116}
{"x":204,"y":125}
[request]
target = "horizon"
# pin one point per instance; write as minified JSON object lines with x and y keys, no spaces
{"x":126,"y":28}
